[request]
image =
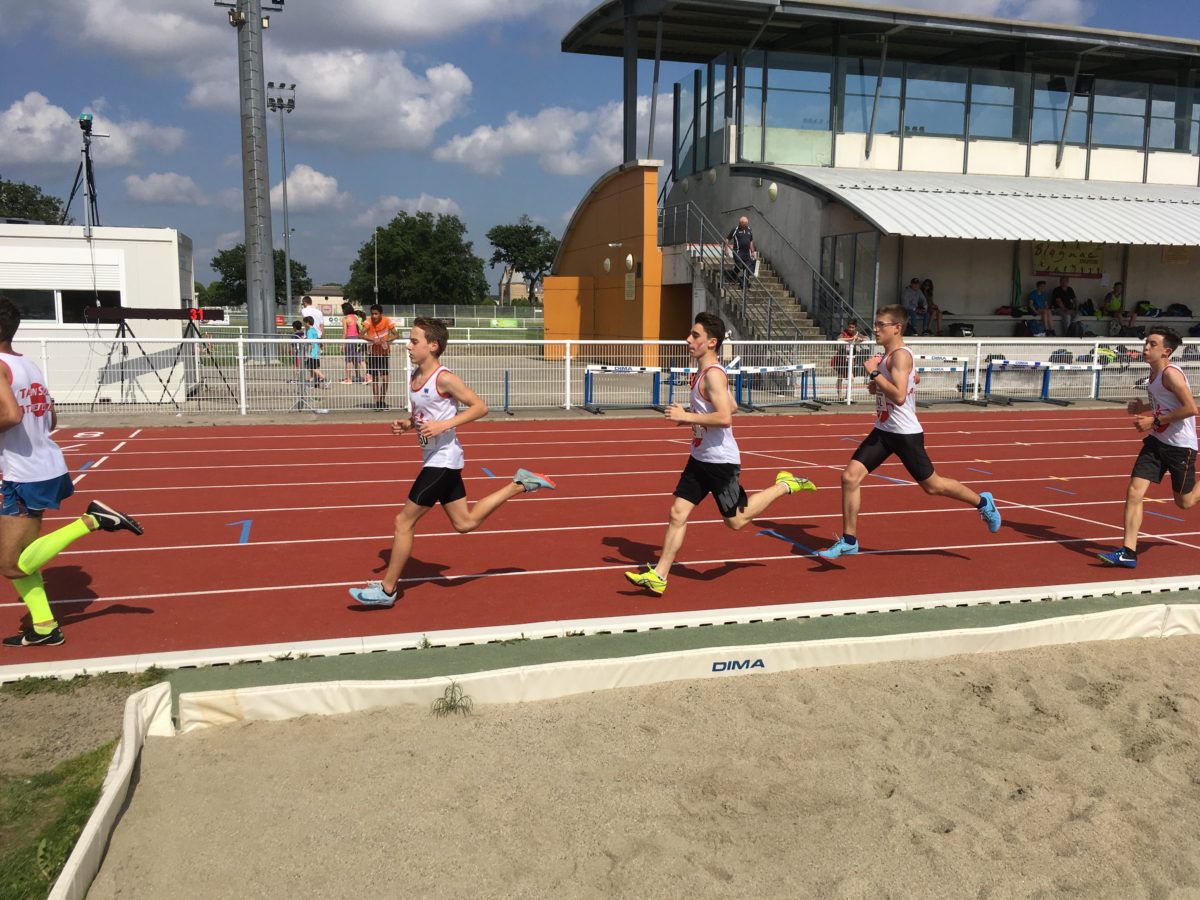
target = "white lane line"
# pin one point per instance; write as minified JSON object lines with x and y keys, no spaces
{"x":251,"y":591}
{"x":135,"y":434}
{"x":1120,"y":528}
{"x":118,"y":447}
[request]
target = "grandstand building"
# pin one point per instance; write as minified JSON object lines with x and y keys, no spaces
{"x":868,"y":145}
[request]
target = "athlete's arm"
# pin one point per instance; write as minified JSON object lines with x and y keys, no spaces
{"x":10,"y":409}
{"x":452,"y":386}
{"x":901,"y":369}
{"x":1178,"y":386}
{"x":716,"y":385}
{"x":402,"y":425}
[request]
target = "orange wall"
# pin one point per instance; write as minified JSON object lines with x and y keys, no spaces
{"x":584,"y":302}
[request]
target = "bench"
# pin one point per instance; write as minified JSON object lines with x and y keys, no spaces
{"x":1005,"y":326}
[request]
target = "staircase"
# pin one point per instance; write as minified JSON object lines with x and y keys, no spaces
{"x":767,"y":311}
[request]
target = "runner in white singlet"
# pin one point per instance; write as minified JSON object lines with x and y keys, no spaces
{"x":1168,"y":420}
{"x":436,"y":395}
{"x":892,"y":379}
{"x":35,"y":479}
{"x":714,"y":465}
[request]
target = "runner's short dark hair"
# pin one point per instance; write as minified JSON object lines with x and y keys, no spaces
{"x":436,"y":332}
{"x":713,"y":326}
{"x":1171,"y":340}
{"x":10,"y":319}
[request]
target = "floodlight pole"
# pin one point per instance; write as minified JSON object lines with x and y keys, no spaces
{"x":247,"y":17}
{"x":280,"y":100}
{"x":376,"y":242}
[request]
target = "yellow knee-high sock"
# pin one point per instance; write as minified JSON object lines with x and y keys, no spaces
{"x":48,"y":546}
{"x":33,"y":591}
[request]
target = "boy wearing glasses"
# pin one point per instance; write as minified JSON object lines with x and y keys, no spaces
{"x":891,"y":379}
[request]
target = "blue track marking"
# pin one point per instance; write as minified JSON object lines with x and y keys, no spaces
{"x":1061,"y":491}
{"x":887,"y":478}
{"x":787,"y":540}
{"x":980,"y":471}
{"x":88,"y":464}
{"x":488,"y":472}
{"x":1151,"y":512}
{"x":244,"y":538}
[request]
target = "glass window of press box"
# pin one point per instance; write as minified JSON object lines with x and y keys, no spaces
{"x":793,"y":104}
{"x":51,"y":307}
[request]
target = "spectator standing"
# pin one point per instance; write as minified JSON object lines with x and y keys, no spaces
{"x":914,"y":301}
{"x":313,"y":363}
{"x":298,"y":349}
{"x":1062,"y":301}
{"x":379,"y":332}
{"x":356,"y":367}
{"x":1040,"y":304}
{"x":318,"y":317}
{"x":840,"y":361}
{"x":741,"y":240}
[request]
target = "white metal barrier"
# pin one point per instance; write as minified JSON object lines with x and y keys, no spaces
{"x":239,"y":375}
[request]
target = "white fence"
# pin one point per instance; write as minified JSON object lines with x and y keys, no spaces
{"x":231,"y":375}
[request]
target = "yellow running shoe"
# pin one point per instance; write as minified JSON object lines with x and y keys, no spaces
{"x":649,"y":579}
{"x":794,"y":484}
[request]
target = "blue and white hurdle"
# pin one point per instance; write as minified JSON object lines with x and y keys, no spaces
{"x":595,"y":370}
{"x":960,"y":365}
{"x":743,"y":387}
{"x":1046,"y":369}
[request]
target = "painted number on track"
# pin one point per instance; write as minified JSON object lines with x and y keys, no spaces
{"x":88,"y":434}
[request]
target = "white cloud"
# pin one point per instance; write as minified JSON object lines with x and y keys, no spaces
{"x":228,"y":239}
{"x":564,"y":141}
{"x":33,"y":132}
{"x":385,"y":208}
{"x":1063,"y":12}
{"x":166,"y":188}
{"x":309,"y":191}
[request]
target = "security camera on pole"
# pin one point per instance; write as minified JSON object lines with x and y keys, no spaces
{"x":247,"y":17}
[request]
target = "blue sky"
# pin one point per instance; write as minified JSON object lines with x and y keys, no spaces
{"x":463,"y":106}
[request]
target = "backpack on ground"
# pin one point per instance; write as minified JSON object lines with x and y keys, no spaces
{"x":1105,"y":355}
{"x":1076,"y":330}
{"x":1137,"y":331}
{"x":1087,"y":308}
{"x":962,"y":329}
{"x":1194,"y":331}
{"x":1028,"y":328}
{"x":1061,"y":356}
{"x":1178,"y":310}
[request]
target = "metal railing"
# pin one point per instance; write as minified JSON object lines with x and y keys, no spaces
{"x":240,"y":376}
{"x":826,"y":305}
{"x":741,"y":297}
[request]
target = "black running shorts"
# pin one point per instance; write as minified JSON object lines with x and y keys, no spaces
{"x":379,"y":364}
{"x":909,"y":448}
{"x":699,"y":479}
{"x":1157,"y":458}
{"x":437,"y":485}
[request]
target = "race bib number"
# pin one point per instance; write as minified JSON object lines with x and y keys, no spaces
{"x":422,"y":440}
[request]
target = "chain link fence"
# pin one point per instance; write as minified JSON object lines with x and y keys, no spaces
{"x":230,"y":375}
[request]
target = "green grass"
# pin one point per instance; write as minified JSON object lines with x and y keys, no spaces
{"x":132,"y":683}
{"x":41,"y":817}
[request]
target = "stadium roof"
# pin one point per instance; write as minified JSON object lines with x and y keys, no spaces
{"x":697,"y":31}
{"x":1004,"y":207}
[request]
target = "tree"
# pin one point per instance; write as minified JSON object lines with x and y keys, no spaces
{"x":525,"y":247}
{"x":26,"y":201}
{"x":230,"y":288}
{"x":423,"y":258}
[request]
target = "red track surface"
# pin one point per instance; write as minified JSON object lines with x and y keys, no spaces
{"x":320,"y":502}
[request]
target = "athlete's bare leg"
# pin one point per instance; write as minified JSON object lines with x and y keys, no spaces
{"x":852,"y":479}
{"x":1135,"y":496}
{"x":937,"y":486}
{"x":467,"y":518}
{"x":676,"y":529}
{"x":402,"y":542}
{"x":756,"y":505}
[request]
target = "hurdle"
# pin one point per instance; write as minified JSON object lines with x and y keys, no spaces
{"x":595,"y":370}
{"x":960,"y":364}
{"x":1046,"y":369}
{"x":743,"y":390}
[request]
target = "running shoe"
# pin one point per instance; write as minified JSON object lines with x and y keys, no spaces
{"x":989,"y":513}
{"x":1118,"y":558}
{"x":532,"y":481}
{"x":374,"y":595}
{"x":839,"y":548}
{"x":108,"y":519}
{"x":30,"y":638}
{"x":649,"y":579}
{"x":794,"y":484}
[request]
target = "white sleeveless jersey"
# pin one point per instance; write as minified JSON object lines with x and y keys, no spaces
{"x":1174,"y":434}
{"x":900,"y":419}
{"x":430,"y":405}
{"x":29,"y":453}
{"x":711,"y":443}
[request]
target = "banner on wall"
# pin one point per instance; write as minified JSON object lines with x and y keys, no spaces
{"x":1078,"y":258}
{"x":1176,"y":256}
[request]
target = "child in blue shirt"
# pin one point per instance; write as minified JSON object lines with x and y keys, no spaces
{"x":1040,"y":304}
{"x":313,"y":363}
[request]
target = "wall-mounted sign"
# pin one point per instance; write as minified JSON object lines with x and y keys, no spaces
{"x":1176,"y":256}
{"x":1079,"y":258}
{"x":630,"y":286}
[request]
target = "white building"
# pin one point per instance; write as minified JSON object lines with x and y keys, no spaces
{"x":54,"y":273}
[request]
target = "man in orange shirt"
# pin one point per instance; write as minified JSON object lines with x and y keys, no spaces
{"x":379,"y":333}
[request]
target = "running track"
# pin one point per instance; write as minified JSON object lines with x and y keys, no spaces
{"x":254,"y":533}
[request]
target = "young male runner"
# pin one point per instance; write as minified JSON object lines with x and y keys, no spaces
{"x":436,"y":395}
{"x":1169,"y":422}
{"x":35,"y":480}
{"x":714,"y":466}
{"x":891,"y":380}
